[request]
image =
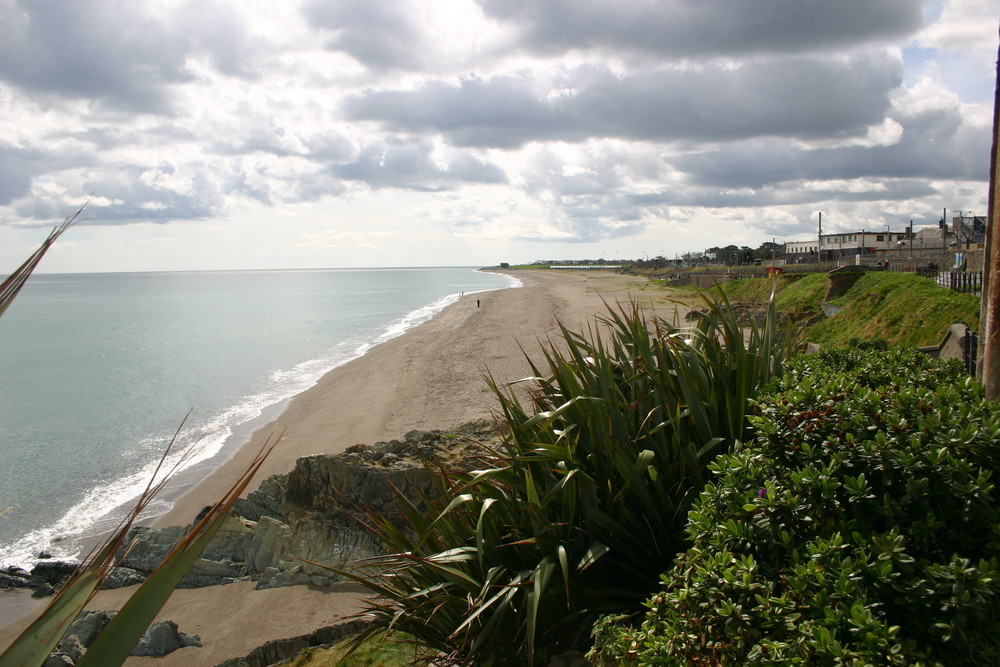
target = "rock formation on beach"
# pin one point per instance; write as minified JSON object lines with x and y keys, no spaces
{"x":161,"y":638}
{"x":295,"y":523}
{"x":282,"y":534}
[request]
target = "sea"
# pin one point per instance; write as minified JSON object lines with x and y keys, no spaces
{"x":100,"y":370}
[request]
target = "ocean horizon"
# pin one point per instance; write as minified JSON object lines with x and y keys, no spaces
{"x":101,"y":369}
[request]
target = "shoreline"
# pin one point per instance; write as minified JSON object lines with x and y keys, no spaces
{"x":255,"y":430}
{"x":429,"y":378}
{"x":570,"y":297}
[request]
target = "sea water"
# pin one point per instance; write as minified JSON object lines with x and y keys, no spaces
{"x":99,"y":370}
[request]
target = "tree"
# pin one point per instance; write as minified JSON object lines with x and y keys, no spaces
{"x":769,"y":250}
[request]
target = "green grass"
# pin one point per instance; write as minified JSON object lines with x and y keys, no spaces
{"x":901,"y":308}
{"x":376,"y":652}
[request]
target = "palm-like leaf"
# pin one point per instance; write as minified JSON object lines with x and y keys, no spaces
{"x":586,"y":506}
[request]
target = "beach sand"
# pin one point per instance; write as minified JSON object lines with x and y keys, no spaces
{"x":432,"y":377}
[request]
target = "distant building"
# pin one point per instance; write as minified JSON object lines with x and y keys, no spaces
{"x":800,"y":252}
{"x":846,"y":247}
{"x":964,"y":232}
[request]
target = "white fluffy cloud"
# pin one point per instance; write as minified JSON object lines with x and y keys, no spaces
{"x":488,"y":125}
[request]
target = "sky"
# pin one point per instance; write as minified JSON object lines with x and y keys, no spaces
{"x":253,"y":134}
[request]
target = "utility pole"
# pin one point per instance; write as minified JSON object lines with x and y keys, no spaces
{"x":819,"y":253}
{"x":989,"y":331}
{"x":909,"y":236}
{"x":944,"y":233}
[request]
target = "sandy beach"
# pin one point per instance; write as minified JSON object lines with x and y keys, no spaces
{"x":429,"y":378}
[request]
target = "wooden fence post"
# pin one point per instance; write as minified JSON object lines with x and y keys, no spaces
{"x":989,"y":324}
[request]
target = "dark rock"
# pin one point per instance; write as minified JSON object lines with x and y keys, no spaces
{"x":88,"y":625}
{"x":145,"y":548}
{"x":42,"y":590}
{"x":71,"y":648}
{"x":163,"y":638}
{"x":160,"y":639}
{"x":124,"y":576}
{"x":53,"y":572}
{"x":14,"y":577}
{"x":267,"y":500}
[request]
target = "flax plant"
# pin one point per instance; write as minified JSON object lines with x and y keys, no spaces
{"x":585,"y":506}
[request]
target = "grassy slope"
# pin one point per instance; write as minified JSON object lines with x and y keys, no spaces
{"x":901,"y":308}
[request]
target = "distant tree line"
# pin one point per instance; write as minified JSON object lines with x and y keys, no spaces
{"x":729,"y":255}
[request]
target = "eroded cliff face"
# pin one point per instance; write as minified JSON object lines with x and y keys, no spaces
{"x":295,"y":523}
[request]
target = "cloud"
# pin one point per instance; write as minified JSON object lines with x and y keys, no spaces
{"x":124,"y":56}
{"x":803,"y":97}
{"x":337,"y":238}
{"x":382,"y":35}
{"x":18,"y":166}
{"x":936,"y":142}
{"x":497,"y":120}
{"x":71,"y":50}
{"x":417,"y":166}
{"x":680,"y":29}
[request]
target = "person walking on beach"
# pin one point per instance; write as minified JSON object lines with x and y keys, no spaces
{"x":477,"y":303}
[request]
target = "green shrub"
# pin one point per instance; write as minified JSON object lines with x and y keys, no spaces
{"x":586,"y":506}
{"x":860,"y":527}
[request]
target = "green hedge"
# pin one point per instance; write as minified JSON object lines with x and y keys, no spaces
{"x":859,"y":527}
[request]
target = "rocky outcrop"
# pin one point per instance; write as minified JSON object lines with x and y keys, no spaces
{"x":44,"y":578}
{"x":163,"y":638}
{"x":160,"y":639}
{"x":281,"y":650}
{"x":297,"y":526}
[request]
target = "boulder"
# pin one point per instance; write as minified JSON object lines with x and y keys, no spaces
{"x":162,"y":638}
{"x":88,"y":625}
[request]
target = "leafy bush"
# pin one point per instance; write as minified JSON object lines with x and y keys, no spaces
{"x":585,"y":507}
{"x":860,"y":527}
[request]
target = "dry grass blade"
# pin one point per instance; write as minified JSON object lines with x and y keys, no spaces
{"x":115,"y":643}
{"x":33,"y":646}
{"x":15,"y":281}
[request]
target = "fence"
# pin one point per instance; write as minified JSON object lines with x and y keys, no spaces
{"x":967,"y":282}
{"x":970,"y":350}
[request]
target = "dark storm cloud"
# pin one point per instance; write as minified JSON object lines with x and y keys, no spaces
{"x":381,"y":35}
{"x":412,"y":167}
{"x":934,"y":144}
{"x":688,"y":29}
{"x":114,"y":53}
{"x":798,"y":97}
{"x":80,"y":50}
{"x":781,"y":194}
